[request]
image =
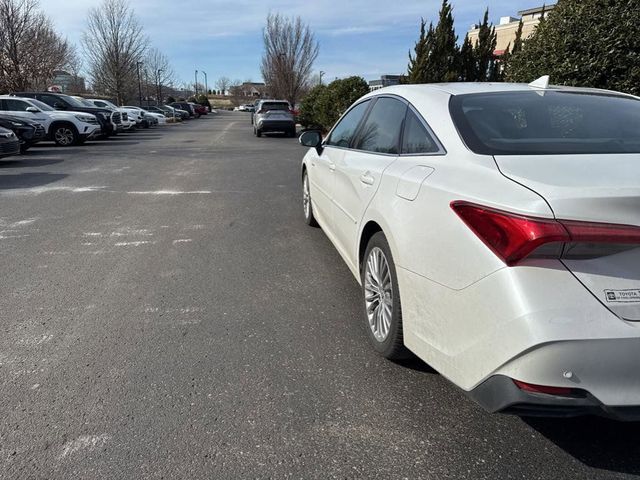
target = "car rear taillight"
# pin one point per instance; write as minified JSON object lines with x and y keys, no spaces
{"x":514,"y":237}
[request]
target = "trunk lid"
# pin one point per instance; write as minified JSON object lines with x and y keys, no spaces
{"x":602,"y":188}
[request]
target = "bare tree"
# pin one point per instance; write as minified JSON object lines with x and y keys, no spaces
{"x":158,"y":69}
{"x":74,"y":67}
{"x":235,"y":90}
{"x":114,"y":43}
{"x":30,"y":49}
{"x":290,"y":50}
{"x":223,"y":84}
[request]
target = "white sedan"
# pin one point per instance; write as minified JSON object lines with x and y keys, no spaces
{"x":494,"y":229}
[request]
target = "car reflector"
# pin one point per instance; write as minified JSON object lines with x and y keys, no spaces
{"x":530,"y":387}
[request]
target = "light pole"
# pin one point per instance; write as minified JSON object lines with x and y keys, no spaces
{"x":321,"y":74}
{"x":146,"y":86}
{"x":139,"y":83}
{"x":159,"y":99}
{"x":195,"y":85}
{"x":206,"y":83}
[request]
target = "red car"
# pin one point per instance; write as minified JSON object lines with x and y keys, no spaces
{"x":199,"y":109}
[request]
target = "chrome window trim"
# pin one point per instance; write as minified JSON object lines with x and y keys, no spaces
{"x":441,"y":150}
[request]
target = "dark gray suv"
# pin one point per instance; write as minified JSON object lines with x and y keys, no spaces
{"x":274,"y":116}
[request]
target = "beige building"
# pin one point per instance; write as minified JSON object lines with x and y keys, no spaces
{"x":506,"y":29}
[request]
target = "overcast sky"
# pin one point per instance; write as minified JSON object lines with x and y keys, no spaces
{"x":224,"y":37}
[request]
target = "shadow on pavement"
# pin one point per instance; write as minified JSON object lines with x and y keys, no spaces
{"x":110,"y":142}
{"x":596,"y":442}
{"x":416,"y":364}
{"x":41,"y":150}
{"x":29,"y":180}
{"x":24,"y":161}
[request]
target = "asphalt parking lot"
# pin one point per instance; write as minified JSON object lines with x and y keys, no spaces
{"x":166,"y":313}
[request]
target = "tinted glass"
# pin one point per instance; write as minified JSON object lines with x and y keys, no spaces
{"x":73,"y":102}
{"x":274,"y":106}
{"x":346,"y":128}
{"x":546,"y":123}
{"x":16,"y":105}
{"x":416,"y":138}
{"x":41,"y":105}
{"x":381,"y":131}
{"x":51,"y":99}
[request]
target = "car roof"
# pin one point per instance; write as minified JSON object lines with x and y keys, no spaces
{"x":463,"y":88}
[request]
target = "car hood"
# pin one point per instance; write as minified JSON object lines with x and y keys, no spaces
{"x":67,"y":115}
{"x":20,"y":120}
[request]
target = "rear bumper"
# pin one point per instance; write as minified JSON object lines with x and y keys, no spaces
{"x":532,"y":323}
{"x":500,"y":394}
{"x":276,"y":125}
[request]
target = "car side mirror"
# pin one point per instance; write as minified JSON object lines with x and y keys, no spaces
{"x":32,"y":110}
{"x":313,"y":139}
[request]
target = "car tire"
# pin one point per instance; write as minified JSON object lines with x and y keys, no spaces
{"x":258,"y":132}
{"x":382,"y":307}
{"x":65,"y":135}
{"x":24,"y":147}
{"x":307,"y":207}
{"x":292,"y":132}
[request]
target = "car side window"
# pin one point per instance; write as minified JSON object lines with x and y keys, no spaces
{"x":48,"y":99}
{"x":344,"y":131}
{"x":16,"y":105}
{"x":416,"y":138}
{"x":381,"y":131}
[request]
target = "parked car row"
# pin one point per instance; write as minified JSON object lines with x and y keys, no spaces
{"x":27,"y":118}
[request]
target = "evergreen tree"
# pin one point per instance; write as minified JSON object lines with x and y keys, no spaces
{"x":576,"y":46}
{"x":442,"y":63}
{"x":436,"y":51}
{"x":517,"y":43}
{"x":417,"y":65}
{"x":486,"y":45}
{"x":467,"y":62}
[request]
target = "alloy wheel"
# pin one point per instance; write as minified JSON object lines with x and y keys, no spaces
{"x":378,"y":289}
{"x":64,"y":136}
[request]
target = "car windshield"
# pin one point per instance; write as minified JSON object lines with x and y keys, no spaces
{"x":109,"y":104}
{"x":74,"y":102}
{"x":41,"y":105}
{"x":85,"y":102}
{"x":547,"y":122}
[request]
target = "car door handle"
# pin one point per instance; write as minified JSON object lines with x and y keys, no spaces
{"x":367,"y":179}
{"x":332,"y":166}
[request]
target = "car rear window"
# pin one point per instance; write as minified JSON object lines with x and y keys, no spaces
{"x":274,"y":106}
{"x":547,"y":122}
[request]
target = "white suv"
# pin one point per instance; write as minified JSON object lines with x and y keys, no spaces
{"x":63,"y":127}
{"x":130,"y":118}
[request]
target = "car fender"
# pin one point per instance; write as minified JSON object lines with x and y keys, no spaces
{"x":373,"y":215}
